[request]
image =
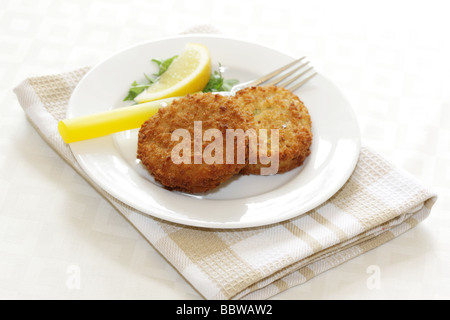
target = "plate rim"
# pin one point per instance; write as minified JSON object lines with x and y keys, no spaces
{"x":221,"y":225}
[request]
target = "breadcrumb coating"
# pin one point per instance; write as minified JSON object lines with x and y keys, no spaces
{"x":155,"y":143}
{"x":277,"y":108}
{"x":254,"y":108}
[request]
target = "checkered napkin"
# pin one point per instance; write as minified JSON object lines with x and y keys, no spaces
{"x":378,"y":203}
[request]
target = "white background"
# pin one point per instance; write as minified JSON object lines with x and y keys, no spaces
{"x":390,"y":58}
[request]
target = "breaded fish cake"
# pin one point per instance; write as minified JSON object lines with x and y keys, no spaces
{"x":277,"y":108}
{"x":155,"y":145}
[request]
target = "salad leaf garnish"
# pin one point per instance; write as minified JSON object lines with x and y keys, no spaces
{"x":218,"y":83}
{"x":137,"y":88}
{"x":163,"y":65}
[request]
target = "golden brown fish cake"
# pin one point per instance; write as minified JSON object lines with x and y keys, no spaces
{"x":155,"y":143}
{"x":277,"y":108}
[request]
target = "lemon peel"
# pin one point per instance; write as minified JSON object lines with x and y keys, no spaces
{"x":188,"y":73}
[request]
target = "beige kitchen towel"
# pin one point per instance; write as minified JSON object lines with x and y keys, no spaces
{"x":378,"y":203}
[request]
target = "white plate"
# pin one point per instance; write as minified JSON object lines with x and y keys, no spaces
{"x":245,"y":201}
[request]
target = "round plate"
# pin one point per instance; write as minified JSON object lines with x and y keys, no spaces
{"x":244,"y":201}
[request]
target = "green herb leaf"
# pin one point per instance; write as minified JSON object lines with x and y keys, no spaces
{"x":137,"y":88}
{"x":228,"y":84}
{"x":163,"y":65}
{"x":217,"y":83}
{"x":150,"y":80}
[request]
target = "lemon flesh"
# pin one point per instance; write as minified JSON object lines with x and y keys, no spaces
{"x":188,"y":73}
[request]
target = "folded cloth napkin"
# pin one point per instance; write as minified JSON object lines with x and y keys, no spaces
{"x":378,"y":203}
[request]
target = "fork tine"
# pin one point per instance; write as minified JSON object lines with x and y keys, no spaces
{"x":284,"y":76}
{"x":274,"y":73}
{"x":282,"y":80}
{"x":296,"y":77}
{"x":299,"y":84}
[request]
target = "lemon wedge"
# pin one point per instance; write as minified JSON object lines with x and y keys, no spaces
{"x":188,"y":73}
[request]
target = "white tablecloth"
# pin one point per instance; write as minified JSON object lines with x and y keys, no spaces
{"x":60,"y":239}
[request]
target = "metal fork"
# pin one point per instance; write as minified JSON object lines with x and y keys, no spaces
{"x":283,"y":77}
